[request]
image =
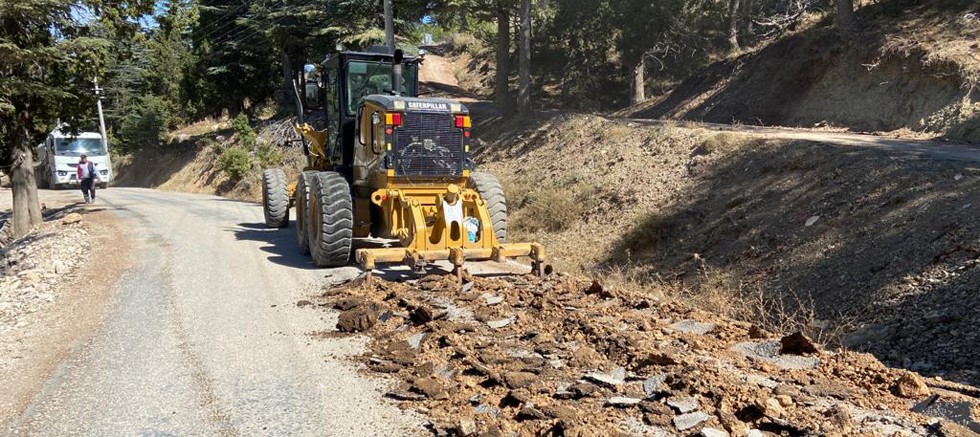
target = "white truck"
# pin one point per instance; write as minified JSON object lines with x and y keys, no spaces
{"x":57,"y":159}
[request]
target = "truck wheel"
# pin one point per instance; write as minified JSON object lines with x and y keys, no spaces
{"x":331,"y":219}
{"x":275,"y":201}
{"x":303,"y":210}
{"x":491,"y":192}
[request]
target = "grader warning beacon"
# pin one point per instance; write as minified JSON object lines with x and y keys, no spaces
{"x":392,"y":166}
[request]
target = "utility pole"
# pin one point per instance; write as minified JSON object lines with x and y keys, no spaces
{"x":98,"y":103}
{"x":389,"y":26}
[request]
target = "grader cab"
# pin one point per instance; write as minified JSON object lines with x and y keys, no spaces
{"x":392,"y":166}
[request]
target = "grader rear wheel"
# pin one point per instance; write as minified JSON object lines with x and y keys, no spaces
{"x":275,"y":200}
{"x":331,"y":219}
{"x":303,"y":210}
{"x":490,"y":191}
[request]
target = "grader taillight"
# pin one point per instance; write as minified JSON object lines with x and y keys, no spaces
{"x":393,"y":119}
{"x":463,"y":121}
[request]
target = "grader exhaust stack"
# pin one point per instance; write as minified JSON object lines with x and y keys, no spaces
{"x":392,"y":166}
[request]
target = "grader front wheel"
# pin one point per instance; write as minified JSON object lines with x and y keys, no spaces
{"x":275,"y":199}
{"x":331,"y":219}
{"x":303,"y":210}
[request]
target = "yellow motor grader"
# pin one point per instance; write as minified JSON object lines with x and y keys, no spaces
{"x":392,"y":166}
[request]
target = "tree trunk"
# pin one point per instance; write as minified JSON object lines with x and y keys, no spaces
{"x":27,"y":209}
{"x":845,"y":15}
{"x":733,"y":24}
{"x":389,"y":26}
{"x":287,"y":78}
{"x":639,"y":94}
{"x":502,"y":82}
{"x":524,"y":63}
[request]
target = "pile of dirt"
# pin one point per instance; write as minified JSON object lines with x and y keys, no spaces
{"x":569,"y":356}
{"x":913,"y":66}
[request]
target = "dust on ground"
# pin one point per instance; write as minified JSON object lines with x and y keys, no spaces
{"x":520,"y":355}
{"x":54,"y":286}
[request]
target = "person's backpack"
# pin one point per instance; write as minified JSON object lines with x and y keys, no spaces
{"x":91,"y":170}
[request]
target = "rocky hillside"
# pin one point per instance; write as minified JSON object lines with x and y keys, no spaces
{"x":912,"y":67}
{"x":788,"y":234}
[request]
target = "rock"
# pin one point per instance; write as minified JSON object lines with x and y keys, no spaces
{"x":693,"y":327}
{"x":356,"y":320}
{"x":784,"y":400}
{"x":690,"y":420}
{"x":651,"y":385}
{"x":622,"y":402}
{"x":684,"y":405}
{"x":466,"y":427}
{"x":492,"y":299}
{"x":415,"y":340}
{"x":797,"y":344}
{"x":348,"y":303}
{"x":500,"y":323}
{"x":529,"y":412}
{"x":772,"y":408}
{"x":713,"y":432}
{"x":404,"y":395}
{"x":516,"y":380}
{"x":911,"y":386}
{"x":612,"y":379}
{"x":560,"y":412}
{"x":810,"y":221}
{"x":59,"y":267}
{"x":422,"y":314}
{"x":575,"y":391}
{"x":755,"y":332}
{"x":431,"y":388}
{"x":301,"y":303}
{"x":71,"y":218}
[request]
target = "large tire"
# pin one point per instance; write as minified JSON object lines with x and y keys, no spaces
{"x":275,"y":200}
{"x":490,"y":190}
{"x":331,"y":219}
{"x":303,"y":210}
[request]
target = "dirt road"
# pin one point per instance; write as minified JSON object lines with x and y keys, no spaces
{"x":203,"y":336}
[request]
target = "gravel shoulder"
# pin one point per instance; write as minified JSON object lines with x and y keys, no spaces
{"x":202,"y":336}
{"x":49,"y":309}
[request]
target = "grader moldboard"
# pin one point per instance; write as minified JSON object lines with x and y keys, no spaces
{"x":392,"y":166}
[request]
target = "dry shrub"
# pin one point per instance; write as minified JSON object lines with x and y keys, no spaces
{"x":550,"y":209}
{"x":718,"y":142}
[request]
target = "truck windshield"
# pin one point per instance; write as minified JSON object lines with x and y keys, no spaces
{"x":78,"y":146}
{"x":365,"y":78}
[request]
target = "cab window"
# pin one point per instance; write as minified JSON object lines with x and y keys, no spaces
{"x":365,"y":78}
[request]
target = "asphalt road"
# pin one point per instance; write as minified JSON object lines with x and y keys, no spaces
{"x":203,"y":337}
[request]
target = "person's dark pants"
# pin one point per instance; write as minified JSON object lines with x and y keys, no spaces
{"x":88,"y":189}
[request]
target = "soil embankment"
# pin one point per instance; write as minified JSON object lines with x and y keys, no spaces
{"x":790,"y":234}
{"x":912,"y":69}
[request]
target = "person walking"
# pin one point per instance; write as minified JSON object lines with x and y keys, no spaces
{"x":87,"y":176}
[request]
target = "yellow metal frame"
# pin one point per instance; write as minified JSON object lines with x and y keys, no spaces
{"x":414,"y":214}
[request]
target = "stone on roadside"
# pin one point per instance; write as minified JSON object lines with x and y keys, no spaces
{"x":713,"y":432}
{"x":614,"y":378}
{"x":356,"y":320}
{"x":71,"y":218}
{"x":59,"y":267}
{"x":693,"y":327}
{"x":466,"y":427}
{"x":416,"y":340}
{"x":500,"y":323}
{"x":911,"y":386}
{"x":684,"y":405}
{"x":651,"y":385}
{"x":622,"y":402}
{"x":516,"y":380}
{"x":690,"y":420}
{"x":797,"y":344}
